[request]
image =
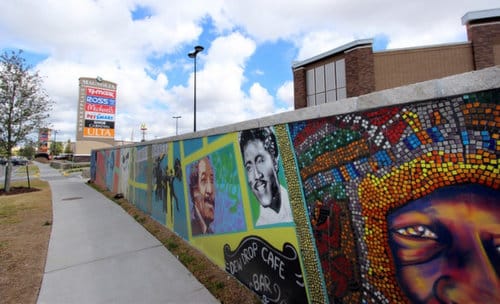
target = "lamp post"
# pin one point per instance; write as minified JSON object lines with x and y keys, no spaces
{"x":143,"y":129}
{"x":55,"y":142}
{"x":193,"y":54}
{"x":176,"y":125}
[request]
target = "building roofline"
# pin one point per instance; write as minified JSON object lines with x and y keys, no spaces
{"x":477,"y":15}
{"x":340,"y":49}
{"x":423,"y":47}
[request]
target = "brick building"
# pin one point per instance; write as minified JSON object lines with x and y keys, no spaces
{"x":355,"y":69}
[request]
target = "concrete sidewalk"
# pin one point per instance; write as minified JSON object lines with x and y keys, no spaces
{"x":99,"y":254}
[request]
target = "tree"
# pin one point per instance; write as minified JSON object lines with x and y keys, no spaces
{"x":24,"y":104}
{"x":28,"y":151}
{"x":67,"y":148}
{"x":56,"y":148}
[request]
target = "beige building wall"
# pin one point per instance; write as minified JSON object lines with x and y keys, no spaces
{"x":496,"y":53}
{"x":85,"y":146}
{"x":402,"y":67}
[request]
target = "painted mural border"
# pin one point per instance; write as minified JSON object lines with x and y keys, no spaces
{"x":313,"y":273}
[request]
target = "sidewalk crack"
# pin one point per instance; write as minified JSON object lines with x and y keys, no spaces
{"x":103,"y":258}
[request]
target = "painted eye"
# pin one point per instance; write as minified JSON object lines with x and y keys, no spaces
{"x":417,"y":231}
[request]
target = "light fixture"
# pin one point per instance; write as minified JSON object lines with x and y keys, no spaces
{"x":193,"y":54}
{"x":176,"y":123}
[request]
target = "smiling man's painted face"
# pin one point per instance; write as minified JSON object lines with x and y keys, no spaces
{"x":261,"y":173}
{"x":446,"y":246}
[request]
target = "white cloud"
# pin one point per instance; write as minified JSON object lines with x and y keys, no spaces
{"x":314,"y":43}
{"x":285,"y":96}
{"x":259,"y":101}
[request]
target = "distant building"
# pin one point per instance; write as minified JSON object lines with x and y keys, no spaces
{"x":43,"y":140}
{"x":96,"y":115}
{"x":355,"y":69}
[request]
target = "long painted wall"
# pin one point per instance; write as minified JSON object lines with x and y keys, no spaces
{"x":390,"y":197}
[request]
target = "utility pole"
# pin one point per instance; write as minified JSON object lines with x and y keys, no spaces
{"x":176,"y":124}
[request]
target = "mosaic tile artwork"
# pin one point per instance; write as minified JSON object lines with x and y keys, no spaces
{"x":391,"y":205}
{"x":361,"y":169}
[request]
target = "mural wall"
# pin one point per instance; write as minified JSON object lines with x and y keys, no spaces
{"x":393,"y":205}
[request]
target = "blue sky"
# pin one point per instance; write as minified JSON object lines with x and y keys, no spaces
{"x":244,"y":72}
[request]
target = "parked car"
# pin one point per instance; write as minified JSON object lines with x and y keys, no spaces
{"x":3,"y":160}
{"x":43,"y":155}
{"x":63,"y":156}
{"x":19,"y":161}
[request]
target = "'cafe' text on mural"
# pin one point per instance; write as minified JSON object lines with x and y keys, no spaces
{"x":276,"y":276}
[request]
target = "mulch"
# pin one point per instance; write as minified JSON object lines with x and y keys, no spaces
{"x":18,"y":190}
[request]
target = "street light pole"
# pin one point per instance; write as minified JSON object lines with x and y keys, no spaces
{"x":55,"y":142}
{"x":143,"y":129}
{"x":193,"y":54}
{"x":176,"y":125}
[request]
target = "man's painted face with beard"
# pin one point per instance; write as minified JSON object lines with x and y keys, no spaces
{"x":205,"y":198}
{"x":261,"y":173}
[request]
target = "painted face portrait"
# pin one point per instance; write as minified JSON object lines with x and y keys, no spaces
{"x":205,"y":198}
{"x":261,"y":172}
{"x":446,"y":246}
{"x":202,"y":191}
{"x":124,"y":171}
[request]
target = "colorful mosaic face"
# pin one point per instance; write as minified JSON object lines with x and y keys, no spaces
{"x":446,"y":245}
{"x":359,"y":170}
